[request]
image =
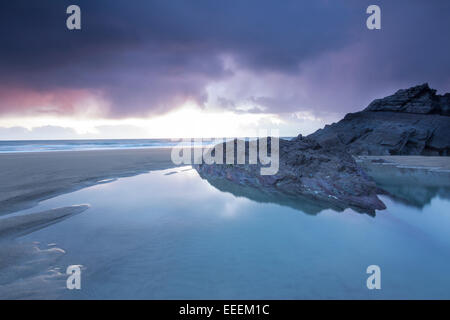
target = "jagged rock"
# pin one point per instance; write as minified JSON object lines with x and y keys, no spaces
{"x":307,"y":169}
{"x":320,"y":167}
{"x":413,"y":121}
{"x":419,"y":99}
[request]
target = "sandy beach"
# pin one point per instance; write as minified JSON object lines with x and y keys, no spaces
{"x":27,"y":178}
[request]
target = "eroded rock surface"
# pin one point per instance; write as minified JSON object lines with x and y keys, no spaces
{"x":307,"y":169}
{"x":414,"y":121}
{"x":321,"y":168}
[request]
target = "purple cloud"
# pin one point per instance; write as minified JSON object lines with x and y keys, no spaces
{"x":151,"y":56}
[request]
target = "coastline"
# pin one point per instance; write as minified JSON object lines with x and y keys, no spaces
{"x":413,"y":180}
{"x":28,"y":178}
{"x":40,"y":176}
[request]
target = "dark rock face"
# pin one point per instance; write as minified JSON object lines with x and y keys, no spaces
{"x":307,"y":170}
{"x":413,"y":121}
{"x":420,"y":99}
{"x":319,"y":170}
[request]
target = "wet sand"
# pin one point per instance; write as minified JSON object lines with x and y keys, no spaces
{"x":27,"y":178}
{"x":23,"y":224}
{"x":407,"y":170}
{"x":431,"y":163}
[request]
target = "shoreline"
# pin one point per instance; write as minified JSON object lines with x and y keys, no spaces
{"x":434,"y":163}
{"x":28,"y":178}
{"x":81,"y":150}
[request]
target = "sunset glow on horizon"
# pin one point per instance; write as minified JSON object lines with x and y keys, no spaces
{"x":161,"y":69}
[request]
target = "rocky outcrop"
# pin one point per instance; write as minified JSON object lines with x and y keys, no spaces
{"x":322,"y":174}
{"x":420,"y":100}
{"x":319,"y":170}
{"x":413,"y":121}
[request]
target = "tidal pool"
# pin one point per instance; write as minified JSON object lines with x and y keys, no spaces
{"x":171,"y":235}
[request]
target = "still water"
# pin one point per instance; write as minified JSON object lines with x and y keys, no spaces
{"x":171,"y":235}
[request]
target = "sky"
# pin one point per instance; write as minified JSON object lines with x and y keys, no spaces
{"x":212,"y":68}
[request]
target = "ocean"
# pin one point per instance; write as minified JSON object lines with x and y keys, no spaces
{"x":78,"y":145}
{"x":103,"y":144}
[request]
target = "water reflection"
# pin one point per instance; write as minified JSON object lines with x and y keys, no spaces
{"x":303,"y":204}
{"x":415,"y":187}
{"x":411,"y":186}
{"x":175,"y":236}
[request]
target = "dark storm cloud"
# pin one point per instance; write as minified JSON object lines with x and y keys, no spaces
{"x":151,"y":56}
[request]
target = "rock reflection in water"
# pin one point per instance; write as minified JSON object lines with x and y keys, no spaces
{"x":411,"y":186}
{"x":307,"y":205}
